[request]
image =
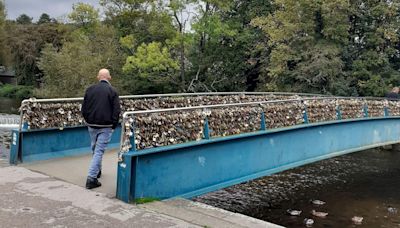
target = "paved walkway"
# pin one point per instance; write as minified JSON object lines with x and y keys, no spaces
{"x":74,"y":170}
{"x":31,"y":199}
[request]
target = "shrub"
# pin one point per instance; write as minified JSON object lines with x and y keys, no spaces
{"x":18,"y":92}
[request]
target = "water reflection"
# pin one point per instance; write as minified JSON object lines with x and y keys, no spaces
{"x":362,"y":184}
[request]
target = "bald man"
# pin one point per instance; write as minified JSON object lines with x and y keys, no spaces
{"x":100,"y":109}
{"x":394,"y":94}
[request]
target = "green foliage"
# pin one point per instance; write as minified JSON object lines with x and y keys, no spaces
{"x":24,"y":19}
{"x":150,"y":59}
{"x":26,"y":42}
{"x":128,"y":42}
{"x":84,"y":15}
{"x":18,"y":92}
{"x":44,"y":18}
{"x":3,"y":47}
{"x":332,"y":46}
{"x":226,"y":55}
{"x":74,"y":67}
{"x":152,"y":64}
{"x":146,"y":200}
{"x":143,"y":18}
{"x":336,"y":47}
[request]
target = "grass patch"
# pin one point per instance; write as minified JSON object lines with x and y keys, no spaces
{"x":13,"y":91}
{"x":146,"y":200}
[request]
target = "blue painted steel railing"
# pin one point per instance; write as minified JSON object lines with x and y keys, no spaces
{"x":147,"y":96}
{"x":197,"y":167}
{"x":56,"y":142}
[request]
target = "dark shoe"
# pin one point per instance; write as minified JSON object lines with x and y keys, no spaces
{"x":92,"y":183}
{"x":99,"y":174}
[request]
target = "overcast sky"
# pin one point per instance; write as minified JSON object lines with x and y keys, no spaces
{"x":34,"y":8}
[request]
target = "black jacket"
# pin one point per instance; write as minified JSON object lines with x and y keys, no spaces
{"x":101,"y":107}
{"x":392,"y":96}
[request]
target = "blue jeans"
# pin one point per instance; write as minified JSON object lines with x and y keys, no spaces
{"x":99,"y":139}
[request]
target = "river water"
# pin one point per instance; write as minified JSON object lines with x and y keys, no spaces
{"x":365,"y":184}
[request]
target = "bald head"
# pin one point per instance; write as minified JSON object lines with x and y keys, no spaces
{"x":104,"y":74}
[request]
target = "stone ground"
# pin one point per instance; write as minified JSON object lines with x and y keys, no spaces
{"x":30,"y":199}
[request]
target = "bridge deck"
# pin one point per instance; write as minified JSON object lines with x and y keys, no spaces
{"x":74,"y":170}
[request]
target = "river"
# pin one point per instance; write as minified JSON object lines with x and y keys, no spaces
{"x":364,"y":184}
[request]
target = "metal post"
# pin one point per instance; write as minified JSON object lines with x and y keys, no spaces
{"x":386,"y":112}
{"x":15,"y":145}
{"x":133,"y":138}
{"x":366,"y":111}
{"x":125,"y":177}
{"x":263,"y":124}
{"x":206,"y":129}
{"x":305,"y":114}
{"x":338,"y":113}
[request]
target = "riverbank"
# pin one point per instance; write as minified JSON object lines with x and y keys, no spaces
{"x":29,"y":199}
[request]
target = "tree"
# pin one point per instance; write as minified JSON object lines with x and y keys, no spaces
{"x":177,"y":8}
{"x":3,"y":47}
{"x":152,"y":63}
{"x":70,"y":70}
{"x":229,"y":46}
{"x":372,"y":54}
{"x":144,"y":19}
{"x":145,"y":25}
{"x":44,"y":18}
{"x":216,"y":57}
{"x":26,"y":42}
{"x":84,"y":15}
{"x":24,"y":19}
{"x":332,"y":46}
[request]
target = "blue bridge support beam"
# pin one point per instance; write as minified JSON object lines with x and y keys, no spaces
{"x":196,"y":168}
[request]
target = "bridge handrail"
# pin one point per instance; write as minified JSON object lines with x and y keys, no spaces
{"x":174,"y":95}
{"x":78,"y":99}
{"x":247,"y":104}
{"x":206,"y":107}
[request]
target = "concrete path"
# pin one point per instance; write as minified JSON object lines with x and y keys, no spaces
{"x":31,"y":199}
{"x":205,"y":215}
{"x":74,"y":170}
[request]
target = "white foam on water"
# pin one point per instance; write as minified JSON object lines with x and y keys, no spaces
{"x":9,"y":126}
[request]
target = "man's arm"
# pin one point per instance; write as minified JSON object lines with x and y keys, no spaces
{"x":84,"y":109}
{"x":116,"y":110}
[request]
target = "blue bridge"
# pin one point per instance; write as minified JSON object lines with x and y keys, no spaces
{"x":183,"y":151}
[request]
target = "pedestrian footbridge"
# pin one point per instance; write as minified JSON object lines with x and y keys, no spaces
{"x":185,"y":145}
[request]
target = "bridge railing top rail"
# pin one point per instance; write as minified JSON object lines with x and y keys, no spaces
{"x":253,"y":103}
{"x":175,"y":95}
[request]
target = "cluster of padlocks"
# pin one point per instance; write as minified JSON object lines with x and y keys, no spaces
{"x":37,"y":115}
{"x":250,"y":113}
{"x":169,"y":128}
